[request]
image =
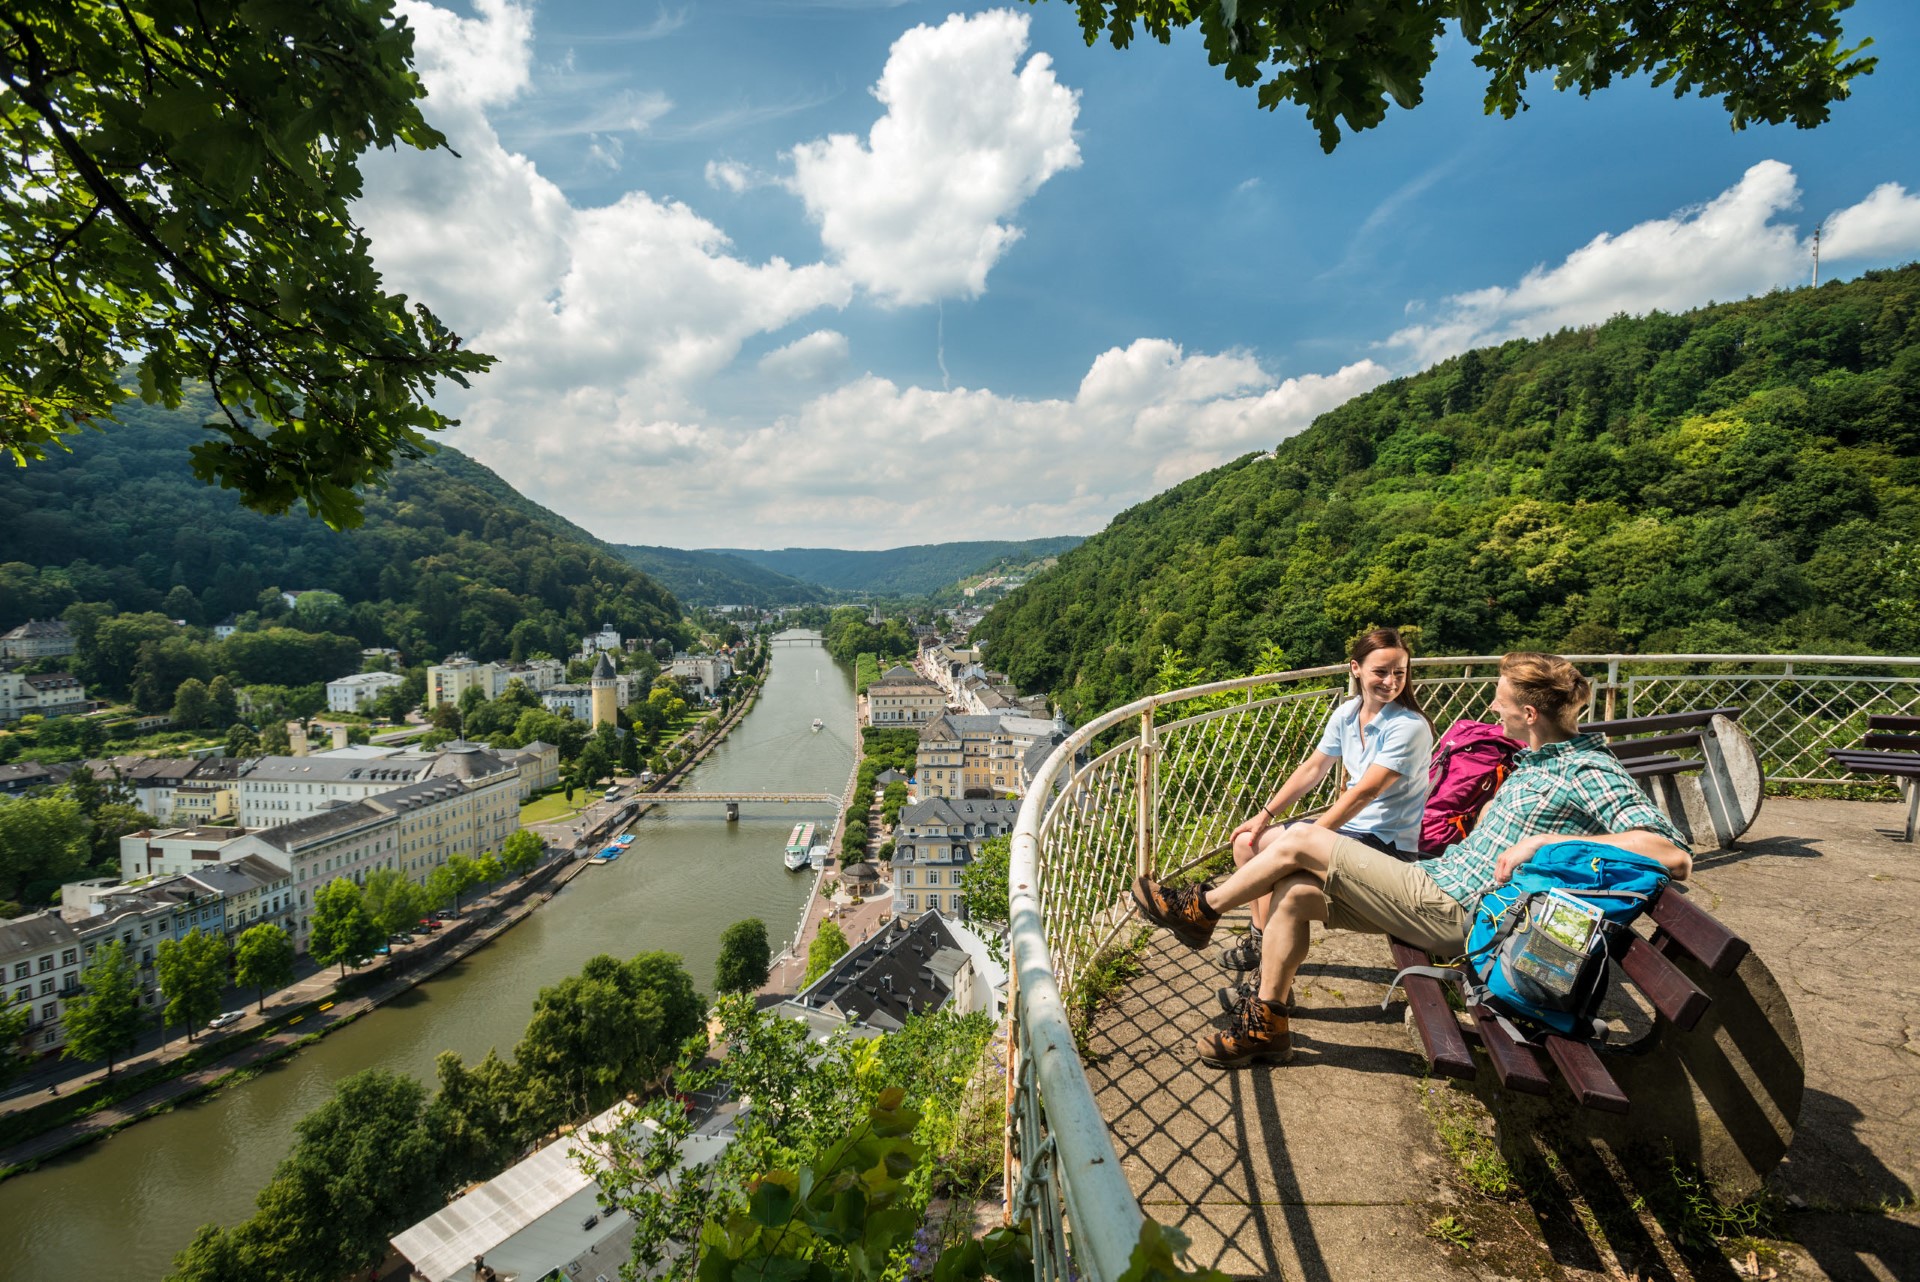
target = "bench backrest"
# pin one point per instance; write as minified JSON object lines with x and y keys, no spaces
{"x":1668,"y":721}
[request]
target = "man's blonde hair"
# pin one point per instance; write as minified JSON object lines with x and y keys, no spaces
{"x":1552,"y":685}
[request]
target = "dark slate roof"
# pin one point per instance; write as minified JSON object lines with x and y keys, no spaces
{"x":37,"y":630}
{"x":955,"y":811}
{"x":884,"y":979}
{"x":44,"y":929}
{"x":18,"y":776}
{"x":344,"y":818}
{"x":603,"y":668}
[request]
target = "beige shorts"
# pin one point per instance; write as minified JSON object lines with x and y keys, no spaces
{"x":1377,"y":893}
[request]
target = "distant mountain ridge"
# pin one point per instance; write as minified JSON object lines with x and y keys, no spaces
{"x":917,"y":570}
{"x":718,"y":578}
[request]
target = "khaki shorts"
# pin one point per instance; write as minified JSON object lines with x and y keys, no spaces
{"x":1377,"y":893}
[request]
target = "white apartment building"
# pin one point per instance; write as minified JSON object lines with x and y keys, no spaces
{"x":354,"y":693}
{"x":903,"y":697}
{"x":38,"y":639}
{"x":708,"y":671}
{"x":49,"y":694}
{"x":934,"y":841}
{"x":594,"y":642}
{"x":446,"y":682}
{"x":412,"y":830}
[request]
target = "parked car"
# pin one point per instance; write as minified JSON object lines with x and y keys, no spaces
{"x":385,"y":950}
{"x":446,"y":914}
{"x":429,"y":923}
{"x":400,"y":937}
{"x":226,"y":1017}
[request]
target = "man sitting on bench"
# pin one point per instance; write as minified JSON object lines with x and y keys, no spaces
{"x":1564,"y":784}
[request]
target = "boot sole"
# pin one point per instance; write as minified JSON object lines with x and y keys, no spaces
{"x":1185,"y":934}
{"x":1263,"y":1057}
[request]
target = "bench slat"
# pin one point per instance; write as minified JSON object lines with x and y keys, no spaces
{"x":1647,"y":745}
{"x":1517,"y":1067}
{"x":1897,"y":724}
{"x":1891,"y":743}
{"x":1585,"y":1075}
{"x":1665,"y":721}
{"x":1867,"y":763}
{"x":1440,"y":1036}
{"x":1676,"y":997}
{"x":1652,"y":767}
{"x":1692,"y":928}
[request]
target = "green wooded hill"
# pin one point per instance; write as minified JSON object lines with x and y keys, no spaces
{"x":1742,"y":477}
{"x":718,"y":578}
{"x":451,"y":557}
{"x":919,"y":570}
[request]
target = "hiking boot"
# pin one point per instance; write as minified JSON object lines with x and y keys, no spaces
{"x":1244,"y":955}
{"x":1257,"y":1035}
{"x":1181,"y":909}
{"x":1231,"y":997}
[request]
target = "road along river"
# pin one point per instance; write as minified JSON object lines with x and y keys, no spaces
{"x":123,"y":1207}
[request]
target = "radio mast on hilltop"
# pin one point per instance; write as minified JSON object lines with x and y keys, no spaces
{"x":1816,"y":258}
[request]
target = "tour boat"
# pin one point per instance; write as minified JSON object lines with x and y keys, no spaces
{"x":798,"y":842}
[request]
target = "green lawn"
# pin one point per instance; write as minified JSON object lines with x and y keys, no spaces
{"x":551,"y":808}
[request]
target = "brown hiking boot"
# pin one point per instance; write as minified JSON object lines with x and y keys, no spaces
{"x":1257,"y":1035}
{"x":1179,"y":908}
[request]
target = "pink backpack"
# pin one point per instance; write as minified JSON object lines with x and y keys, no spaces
{"x":1469,"y":764}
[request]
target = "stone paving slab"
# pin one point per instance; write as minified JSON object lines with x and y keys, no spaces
{"x":1329,"y":1168}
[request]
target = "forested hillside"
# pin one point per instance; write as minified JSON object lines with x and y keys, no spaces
{"x":910,"y":571}
{"x":717,"y":578}
{"x":1746,"y":476}
{"x":451,"y":557}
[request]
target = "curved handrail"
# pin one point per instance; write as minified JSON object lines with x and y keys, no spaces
{"x":1098,"y":1199}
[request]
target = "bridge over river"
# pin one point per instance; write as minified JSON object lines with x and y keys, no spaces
{"x":734,"y":800}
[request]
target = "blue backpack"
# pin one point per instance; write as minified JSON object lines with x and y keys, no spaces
{"x":1538,"y":948}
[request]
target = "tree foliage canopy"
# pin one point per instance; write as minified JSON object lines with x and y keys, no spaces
{"x":1740,"y":478}
{"x":745,"y":957}
{"x":103,"y":1020}
{"x":192,"y":973}
{"x":178,"y":182}
{"x":1346,"y":62}
{"x":263,"y":959}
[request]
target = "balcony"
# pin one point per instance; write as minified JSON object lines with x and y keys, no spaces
{"x":1334,"y":1166}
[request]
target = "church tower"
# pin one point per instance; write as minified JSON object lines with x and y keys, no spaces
{"x":606,"y":700}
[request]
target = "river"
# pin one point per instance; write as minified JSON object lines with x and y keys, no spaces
{"x":123,"y":1207}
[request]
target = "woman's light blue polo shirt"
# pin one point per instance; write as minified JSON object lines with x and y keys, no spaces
{"x":1401,"y":741}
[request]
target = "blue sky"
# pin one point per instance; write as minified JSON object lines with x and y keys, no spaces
{"x":770,"y":272}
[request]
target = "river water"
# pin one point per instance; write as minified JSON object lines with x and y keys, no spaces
{"x":122,"y":1208}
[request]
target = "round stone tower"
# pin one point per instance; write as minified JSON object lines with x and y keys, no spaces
{"x":606,"y":699}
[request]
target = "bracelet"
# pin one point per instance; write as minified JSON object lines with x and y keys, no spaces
{"x":1268,"y":813}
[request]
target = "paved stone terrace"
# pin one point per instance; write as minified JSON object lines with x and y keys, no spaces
{"x":1331,"y":1168}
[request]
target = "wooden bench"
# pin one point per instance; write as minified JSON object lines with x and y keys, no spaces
{"x":1892,"y":749}
{"x":1681,"y":928}
{"x":1730,"y":783}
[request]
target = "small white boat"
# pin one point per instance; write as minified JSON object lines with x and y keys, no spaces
{"x":817,"y":723}
{"x":817,"y":858}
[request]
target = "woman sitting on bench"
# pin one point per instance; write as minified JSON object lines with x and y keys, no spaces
{"x":1384,"y":741}
{"x":1564,"y":784}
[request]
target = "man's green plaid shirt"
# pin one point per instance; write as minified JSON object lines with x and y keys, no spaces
{"x":1574,"y":788}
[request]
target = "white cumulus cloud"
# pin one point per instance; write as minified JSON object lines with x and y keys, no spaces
{"x":1734,"y":245}
{"x":1884,"y":225}
{"x":807,"y":359}
{"x":919,"y":210}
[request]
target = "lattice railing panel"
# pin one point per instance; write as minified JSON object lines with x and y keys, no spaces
{"x":1216,"y":769}
{"x":1089,"y":837}
{"x":1791,"y":720}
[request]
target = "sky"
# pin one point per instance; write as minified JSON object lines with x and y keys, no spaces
{"x":869,"y":273}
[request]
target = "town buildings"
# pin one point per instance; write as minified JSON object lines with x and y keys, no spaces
{"x":966,"y":754}
{"x":707,"y":671}
{"x":354,"y":693}
{"x":933,"y":842}
{"x":904,"y":697}
{"x":37,"y":639}
{"x":907,"y":967}
{"x":446,"y":682}
{"x":598,"y":642}
{"x":48,"y":694}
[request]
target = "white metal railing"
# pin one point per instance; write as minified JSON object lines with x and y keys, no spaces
{"x":1130,"y":792}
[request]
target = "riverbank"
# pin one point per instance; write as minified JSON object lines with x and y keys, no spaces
{"x":307,"y":1018}
{"x":317,"y":1005}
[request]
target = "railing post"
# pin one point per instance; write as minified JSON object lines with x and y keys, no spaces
{"x":1144,"y":795}
{"x":1613,"y":685}
{"x":1010,"y":1154}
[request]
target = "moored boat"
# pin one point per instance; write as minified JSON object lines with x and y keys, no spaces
{"x":798,"y":843}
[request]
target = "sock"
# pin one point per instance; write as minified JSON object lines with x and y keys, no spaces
{"x":1277,"y":1009}
{"x":1208,"y":909}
